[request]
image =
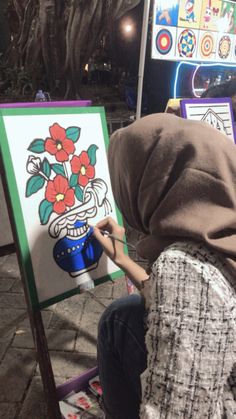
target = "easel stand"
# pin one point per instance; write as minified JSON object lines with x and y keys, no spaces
{"x":36,"y":323}
{"x":30,"y":172}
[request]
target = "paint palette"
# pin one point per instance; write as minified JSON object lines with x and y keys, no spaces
{"x":81,"y":397}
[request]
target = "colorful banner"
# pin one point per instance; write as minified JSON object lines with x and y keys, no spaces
{"x":199,"y":30}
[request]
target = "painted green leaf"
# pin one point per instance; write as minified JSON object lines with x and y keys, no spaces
{"x":73,"y":133}
{"x":34,"y":184}
{"x":45,"y":210}
{"x":73,"y":180}
{"x":46,"y":168}
{"x":37,"y":146}
{"x":92,"y":154}
{"x":58,"y":169}
{"x":79,"y":193}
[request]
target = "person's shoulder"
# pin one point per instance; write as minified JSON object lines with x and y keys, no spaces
{"x":188,"y":249}
{"x":186,"y":256}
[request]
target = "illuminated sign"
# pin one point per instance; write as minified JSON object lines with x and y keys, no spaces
{"x":195,"y":74}
{"x":199,"y":30}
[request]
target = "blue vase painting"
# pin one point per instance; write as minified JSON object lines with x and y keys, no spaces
{"x":78,"y":251}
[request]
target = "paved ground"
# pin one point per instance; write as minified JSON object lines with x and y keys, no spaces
{"x":71,"y":328}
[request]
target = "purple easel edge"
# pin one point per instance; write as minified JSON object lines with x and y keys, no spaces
{"x":76,"y":384}
{"x":56,"y":104}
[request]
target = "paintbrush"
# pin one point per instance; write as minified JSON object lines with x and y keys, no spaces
{"x":114,"y":237}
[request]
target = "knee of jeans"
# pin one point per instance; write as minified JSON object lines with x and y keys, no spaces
{"x":111,"y":314}
{"x":105,"y":319}
{"x":123,"y":309}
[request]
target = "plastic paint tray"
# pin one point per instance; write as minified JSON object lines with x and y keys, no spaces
{"x":80,"y":383}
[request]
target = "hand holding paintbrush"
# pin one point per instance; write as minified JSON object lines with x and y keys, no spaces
{"x":110,"y":235}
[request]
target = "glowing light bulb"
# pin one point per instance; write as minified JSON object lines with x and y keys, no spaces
{"x":128,"y":28}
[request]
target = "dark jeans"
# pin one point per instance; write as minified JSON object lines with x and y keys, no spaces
{"x":122,"y":356}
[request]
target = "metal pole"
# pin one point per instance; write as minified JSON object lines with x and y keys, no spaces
{"x":142,"y":57}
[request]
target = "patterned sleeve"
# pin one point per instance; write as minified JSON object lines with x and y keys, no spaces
{"x":186,"y":339}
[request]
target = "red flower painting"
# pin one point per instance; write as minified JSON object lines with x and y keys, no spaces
{"x":81,"y":165}
{"x":59,"y":193}
{"x":64,"y":175}
{"x":59,"y":145}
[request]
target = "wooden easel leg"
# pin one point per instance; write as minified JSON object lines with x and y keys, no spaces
{"x":45,"y":366}
{"x":36,"y":322}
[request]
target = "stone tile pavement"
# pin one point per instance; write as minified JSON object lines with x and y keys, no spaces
{"x":71,"y":329}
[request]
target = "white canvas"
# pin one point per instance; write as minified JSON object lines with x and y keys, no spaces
{"x":45,"y":232}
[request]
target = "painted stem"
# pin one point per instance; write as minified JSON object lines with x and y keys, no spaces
{"x":65,"y":169}
{"x":43,"y":175}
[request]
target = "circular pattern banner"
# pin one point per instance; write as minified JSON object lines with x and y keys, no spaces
{"x":187,"y":43}
{"x":206,"y":45}
{"x":224,"y":47}
{"x":164,"y":41}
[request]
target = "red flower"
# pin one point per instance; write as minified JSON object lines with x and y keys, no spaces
{"x":59,"y":193}
{"x":58,"y":145}
{"x":81,"y":165}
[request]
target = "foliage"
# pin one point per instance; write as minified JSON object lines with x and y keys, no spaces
{"x":15,"y":82}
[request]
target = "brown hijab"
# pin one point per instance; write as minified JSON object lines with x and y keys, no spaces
{"x":175,"y":179}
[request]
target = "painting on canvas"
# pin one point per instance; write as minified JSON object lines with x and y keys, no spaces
{"x":58,"y":180}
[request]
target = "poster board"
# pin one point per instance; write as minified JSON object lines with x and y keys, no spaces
{"x":214,"y":111}
{"x":58,"y":180}
{"x":194,"y":30}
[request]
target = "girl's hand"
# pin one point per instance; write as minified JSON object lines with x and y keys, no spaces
{"x":113,"y":248}
{"x":115,"y":251}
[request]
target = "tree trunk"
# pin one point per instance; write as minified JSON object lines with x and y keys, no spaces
{"x":57,"y":37}
{"x":4,"y":28}
{"x":49,"y":31}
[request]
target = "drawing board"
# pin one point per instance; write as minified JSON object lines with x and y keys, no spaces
{"x":214,"y":111}
{"x":58,"y":180}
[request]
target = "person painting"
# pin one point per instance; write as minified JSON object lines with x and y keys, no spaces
{"x":226,"y":89}
{"x":170,"y":352}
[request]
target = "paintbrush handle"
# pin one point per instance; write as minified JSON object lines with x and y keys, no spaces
{"x":114,"y":237}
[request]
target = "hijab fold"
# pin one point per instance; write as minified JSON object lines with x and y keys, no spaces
{"x":175,"y":179}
